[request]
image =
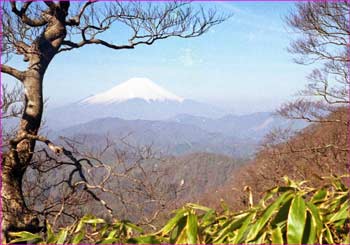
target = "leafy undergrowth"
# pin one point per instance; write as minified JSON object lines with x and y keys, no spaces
{"x":293,"y":214}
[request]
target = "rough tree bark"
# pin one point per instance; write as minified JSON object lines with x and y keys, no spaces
{"x":16,"y":215}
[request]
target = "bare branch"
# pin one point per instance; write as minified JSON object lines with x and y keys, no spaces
{"x":50,"y":4}
{"x":9,"y":101}
{"x":13,"y":72}
{"x":148,"y":24}
{"x":22,"y":15}
{"x":52,"y":147}
{"x":75,"y":21}
{"x":324,"y":40}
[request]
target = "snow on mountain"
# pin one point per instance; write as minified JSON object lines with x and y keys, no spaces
{"x":134,"y":88}
{"x":137,"y":98}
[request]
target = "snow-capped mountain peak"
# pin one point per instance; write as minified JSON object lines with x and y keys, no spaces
{"x":134,"y":88}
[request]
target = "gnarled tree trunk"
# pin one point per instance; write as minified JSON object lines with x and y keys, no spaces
{"x":16,"y":215}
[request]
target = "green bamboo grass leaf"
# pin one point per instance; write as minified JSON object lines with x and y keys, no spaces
{"x":61,"y":236}
{"x":332,"y":205}
{"x":276,"y":235}
{"x":319,"y":196}
{"x":102,"y":231}
{"x":268,"y":195}
{"x":328,"y":236}
{"x":112,"y":234}
{"x":223,"y":232}
{"x":144,"y":240}
{"x":192,"y":228}
{"x":288,"y":218}
{"x":182,"y":238}
{"x":224,"y":206}
{"x":290,"y":183}
{"x":271,"y":192}
{"x":337,"y":183}
{"x":309,"y":236}
{"x":88,"y":219}
{"x":132,"y":226}
{"x":111,"y":241}
{"x":342,"y":214}
{"x":223,"y":224}
{"x":198,"y":207}
{"x":316,"y":216}
{"x":208,"y":218}
{"x":24,"y":236}
{"x":296,"y":220}
{"x":175,"y":233}
{"x":50,"y":236}
{"x":282,"y":214}
{"x":80,"y":226}
{"x":77,"y":238}
{"x":347,"y":239}
{"x":243,"y":230}
{"x":94,"y":221}
{"x":261,"y":239}
{"x":267,"y":215}
{"x":173,"y":221}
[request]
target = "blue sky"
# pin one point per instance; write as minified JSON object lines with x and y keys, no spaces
{"x":241,"y":65}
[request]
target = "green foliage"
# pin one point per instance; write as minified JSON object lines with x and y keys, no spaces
{"x":294,"y":214}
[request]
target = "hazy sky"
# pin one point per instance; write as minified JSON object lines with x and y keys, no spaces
{"x":242,"y":64}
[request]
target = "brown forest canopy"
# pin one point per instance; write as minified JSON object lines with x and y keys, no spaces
{"x":322,"y":148}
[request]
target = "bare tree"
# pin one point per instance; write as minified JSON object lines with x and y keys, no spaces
{"x":56,"y":188}
{"x":11,"y":102}
{"x":322,"y":29}
{"x":324,"y":40}
{"x":11,"y":110}
{"x":40,"y":30}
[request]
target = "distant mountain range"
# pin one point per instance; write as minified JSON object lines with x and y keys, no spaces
{"x":137,"y":98}
{"x":171,"y":138}
{"x":236,"y":136}
{"x":142,"y":113}
{"x":252,"y":126}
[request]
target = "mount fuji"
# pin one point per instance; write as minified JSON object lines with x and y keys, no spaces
{"x":135,"y":88}
{"x":136,"y":98}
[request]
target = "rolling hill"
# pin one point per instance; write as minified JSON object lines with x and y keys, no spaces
{"x":321,"y":149}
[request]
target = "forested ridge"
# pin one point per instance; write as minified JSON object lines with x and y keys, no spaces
{"x":320,"y":150}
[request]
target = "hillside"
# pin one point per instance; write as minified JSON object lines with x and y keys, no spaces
{"x":322,"y":149}
{"x":197,"y":173}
